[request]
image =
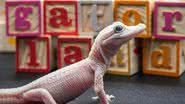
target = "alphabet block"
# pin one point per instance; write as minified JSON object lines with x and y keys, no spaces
{"x":60,"y":17}
{"x":168,"y":20}
{"x":125,"y":62}
{"x":133,"y":12}
{"x":23,"y":18}
{"x":7,"y":43}
{"x":33,"y":54}
{"x":163,"y":57}
{"x":94,"y":15}
{"x":72,"y":49}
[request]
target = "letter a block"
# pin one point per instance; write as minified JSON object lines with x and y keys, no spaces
{"x":72,"y":50}
{"x":60,"y":17}
{"x":133,"y":12}
{"x":125,"y":62}
{"x":169,"y":20}
{"x":33,"y":54}
{"x":163,"y":57}
{"x":23,"y":18}
{"x":94,"y":15}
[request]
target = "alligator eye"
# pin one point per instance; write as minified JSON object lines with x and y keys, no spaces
{"x":118,"y":29}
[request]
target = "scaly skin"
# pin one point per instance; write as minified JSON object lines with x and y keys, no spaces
{"x":68,"y":83}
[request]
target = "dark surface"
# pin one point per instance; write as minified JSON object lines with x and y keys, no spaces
{"x":139,"y":89}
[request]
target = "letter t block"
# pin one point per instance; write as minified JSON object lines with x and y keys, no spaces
{"x":163,"y":57}
{"x":169,"y":21}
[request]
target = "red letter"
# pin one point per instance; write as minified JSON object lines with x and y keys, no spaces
{"x":61,"y":19}
{"x":33,"y":59}
{"x":74,"y":54}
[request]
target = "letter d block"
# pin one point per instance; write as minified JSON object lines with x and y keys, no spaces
{"x":60,"y":17}
{"x":169,"y":21}
{"x":125,"y":62}
{"x":163,"y":57}
{"x":33,"y":54}
{"x":72,"y":50}
{"x":23,"y":18}
{"x":133,"y":12}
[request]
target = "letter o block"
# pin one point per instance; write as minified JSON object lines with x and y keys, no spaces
{"x":60,"y":17}
{"x":133,"y":12}
{"x":94,"y":15}
{"x":126,"y":61}
{"x":163,"y":57}
{"x":72,"y":50}
{"x":33,"y":54}
{"x":169,"y":20}
{"x":23,"y":18}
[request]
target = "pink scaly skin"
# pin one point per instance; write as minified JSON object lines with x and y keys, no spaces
{"x":68,"y":83}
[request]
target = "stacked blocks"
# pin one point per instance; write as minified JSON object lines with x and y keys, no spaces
{"x":68,"y":21}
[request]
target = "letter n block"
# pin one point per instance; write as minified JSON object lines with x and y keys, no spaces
{"x":133,"y":12}
{"x":60,"y":17}
{"x":23,"y":18}
{"x":72,"y":50}
{"x":33,"y":54}
{"x":125,"y":62}
{"x":163,"y":57}
{"x":94,"y":15}
{"x":169,"y":20}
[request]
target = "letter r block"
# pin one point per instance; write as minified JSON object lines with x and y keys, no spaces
{"x":23,"y":18}
{"x":163,"y":57}
{"x":94,"y":15}
{"x":133,"y":12}
{"x":126,"y":61}
{"x":33,"y":54}
{"x":72,"y":49}
{"x":169,"y":20}
{"x":60,"y":17}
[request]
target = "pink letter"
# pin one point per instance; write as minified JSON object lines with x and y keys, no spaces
{"x":169,"y":19}
{"x":21,"y":24}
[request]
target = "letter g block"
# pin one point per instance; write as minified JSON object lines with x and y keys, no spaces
{"x":23,"y":18}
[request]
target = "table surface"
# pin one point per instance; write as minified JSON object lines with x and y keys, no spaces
{"x":138,"y":89}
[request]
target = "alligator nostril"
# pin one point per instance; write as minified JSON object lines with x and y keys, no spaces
{"x":118,"y":29}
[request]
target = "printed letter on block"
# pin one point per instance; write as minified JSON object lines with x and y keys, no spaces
{"x":132,"y":12}
{"x":60,"y":17}
{"x":72,"y":50}
{"x":162,"y":57}
{"x":94,"y":16}
{"x":33,"y":54}
{"x":23,"y":18}
{"x":169,"y":20}
{"x":125,"y":62}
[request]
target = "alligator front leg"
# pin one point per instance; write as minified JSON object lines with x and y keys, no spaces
{"x":99,"y":88}
{"x":41,"y":95}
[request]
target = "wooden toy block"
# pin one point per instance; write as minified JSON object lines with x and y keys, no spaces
{"x":60,"y":17}
{"x":72,"y":49}
{"x":33,"y":54}
{"x":133,"y":12}
{"x":23,"y":18}
{"x":2,"y":11}
{"x":7,"y":44}
{"x":94,"y":16}
{"x":169,"y":20}
{"x":163,"y":57}
{"x":126,"y":61}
